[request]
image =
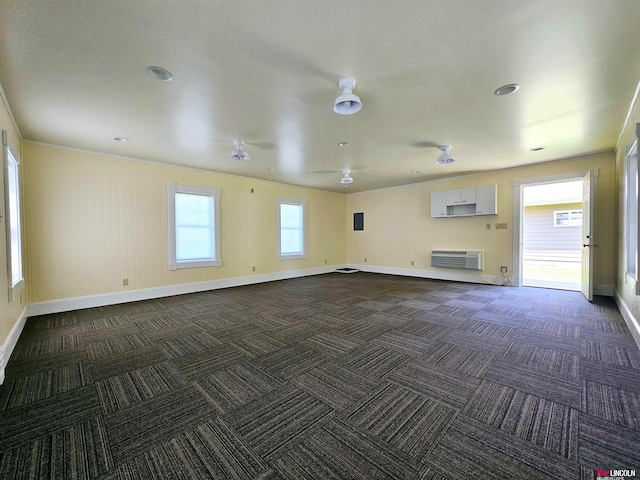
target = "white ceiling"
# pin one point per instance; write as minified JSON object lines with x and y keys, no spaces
{"x":267,"y":72}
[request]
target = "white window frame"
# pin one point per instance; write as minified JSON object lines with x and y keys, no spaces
{"x":631,"y":212}
{"x":174,"y":264}
{"x":573,"y":222}
{"x":298,"y":255}
{"x":12,"y":219}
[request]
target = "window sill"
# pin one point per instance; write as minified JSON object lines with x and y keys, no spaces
{"x":194,"y":264}
{"x":299,"y":256}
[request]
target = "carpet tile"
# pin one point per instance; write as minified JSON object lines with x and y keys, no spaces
{"x":211,"y":450}
{"x":40,"y":385}
{"x":236,"y":385}
{"x":554,"y":341}
{"x":279,"y":420}
{"x":336,"y":385}
{"x":361,"y":376}
{"x":404,"y":343}
{"x":474,"y":450}
{"x":375,"y":360}
{"x":79,"y":451}
{"x":442,"y":384}
{"x":561,"y":388}
{"x":289,"y":362}
{"x":136,"y":386}
{"x":332,"y":344}
{"x":605,"y":446}
{"x":537,"y":420}
{"x":618,"y":376}
{"x":159,"y":419}
{"x":408,"y":421}
{"x":544,"y":358}
{"x":202,"y":363}
{"x":611,"y":403}
{"x":466,"y":361}
{"x":340,"y":451}
{"x":28,"y":422}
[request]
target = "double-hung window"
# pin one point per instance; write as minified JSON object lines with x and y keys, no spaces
{"x":291,"y":229}
{"x":194,"y":227}
{"x":631,"y":212}
{"x":12,"y":219}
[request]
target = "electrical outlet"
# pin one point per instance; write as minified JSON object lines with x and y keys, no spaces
{"x":501,"y":226}
{"x":503,"y":269}
{"x":365,"y":259}
{"x":125,"y":282}
{"x":253,"y":269}
{"x":325,"y":261}
{"x":412,"y":263}
{"x":252,"y":190}
{"x":488,"y":226}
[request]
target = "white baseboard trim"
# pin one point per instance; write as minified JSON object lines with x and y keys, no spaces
{"x":76,"y":303}
{"x":471,"y":276}
{"x":604,"y":290}
{"x":629,"y":318}
{"x":6,"y":349}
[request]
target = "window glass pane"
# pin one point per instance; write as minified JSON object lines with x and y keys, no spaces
{"x":290,"y":242}
{"x":195,"y":239}
{"x":290,"y":216}
{"x":14,"y":221}
{"x":632,"y":211}
{"x":291,"y":225}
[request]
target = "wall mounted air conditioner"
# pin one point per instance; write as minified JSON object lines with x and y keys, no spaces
{"x":464,"y":259}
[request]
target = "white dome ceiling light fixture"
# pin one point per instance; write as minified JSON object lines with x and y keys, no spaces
{"x":239,"y":153}
{"x":347,"y":103}
{"x":346,"y":179}
{"x":446,"y":158}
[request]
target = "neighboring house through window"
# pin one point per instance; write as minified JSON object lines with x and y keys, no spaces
{"x":194,"y":227}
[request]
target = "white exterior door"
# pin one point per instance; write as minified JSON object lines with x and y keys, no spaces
{"x":588,"y":240}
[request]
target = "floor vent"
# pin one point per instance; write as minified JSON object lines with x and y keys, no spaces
{"x":463,"y":259}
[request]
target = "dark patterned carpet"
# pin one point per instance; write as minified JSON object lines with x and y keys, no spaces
{"x":359,"y":376}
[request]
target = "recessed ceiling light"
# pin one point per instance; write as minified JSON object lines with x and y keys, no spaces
{"x":160,"y":73}
{"x":121,"y":139}
{"x":415,"y":172}
{"x":536,"y":149}
{"x":344,"y":144}
{"x":506,"y":89}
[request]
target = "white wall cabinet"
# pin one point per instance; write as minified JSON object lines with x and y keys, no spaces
{"x":487,"y":200}
{"x":464,"y":202}
{"x":439,"y":204}
{"x":461,"y":196}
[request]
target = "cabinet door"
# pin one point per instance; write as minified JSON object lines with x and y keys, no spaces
{"x":468,"y":195}
{"x":439,"y":204}
{"x":487,"y":200}
{"x":453,"y":197}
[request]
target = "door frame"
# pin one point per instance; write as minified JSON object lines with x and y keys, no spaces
{"x":518,"y":212}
